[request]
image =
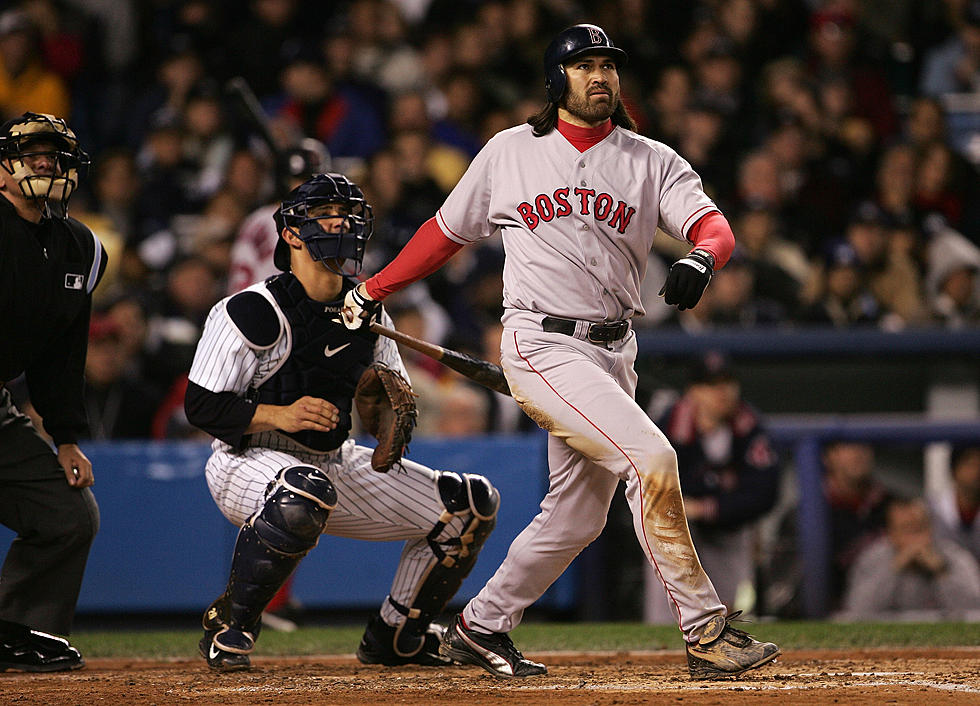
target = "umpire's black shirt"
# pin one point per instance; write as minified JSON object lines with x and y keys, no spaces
{"x":48,"y":271}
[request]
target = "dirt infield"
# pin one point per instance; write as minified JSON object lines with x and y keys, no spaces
{"x":945,"y":676}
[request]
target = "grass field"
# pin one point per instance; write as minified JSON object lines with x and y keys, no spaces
{"x":546,"y":637}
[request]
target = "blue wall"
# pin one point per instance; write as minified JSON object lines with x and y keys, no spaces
{"x":164,"y":546}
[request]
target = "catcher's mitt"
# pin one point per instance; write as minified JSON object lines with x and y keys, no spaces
{"x":386,"y":405}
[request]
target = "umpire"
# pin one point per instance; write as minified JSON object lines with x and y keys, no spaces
{"x":49,"y":266}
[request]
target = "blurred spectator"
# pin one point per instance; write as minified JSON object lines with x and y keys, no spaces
{"x":262,"y":36}
{"x":952,"y":282}
{"x":845,"y":298}
{"x":380,"y":51}
{"x":459,"y":126}
{"x":910,"y":571}
{"x":732,"y":300}
{"x":208,"y":144}
{"x":892,"y":274}
{"x":462,"y":411}
{"x":119,"y":404}
{"x":175,"y":324}
{"x":954,"y":67}
{"x":856,"y":501}
{"x":835,"y":52}
{"x":729,"y":476}
{"x":127,"y":310}
{"x":25,"y":83}
{"x":163,"y":101}
{"x":163,"y":194}
{"x":667,"y":104}
{"x":782,"y":269}
{"x":956,"y":513}
{"x":340,"y":116}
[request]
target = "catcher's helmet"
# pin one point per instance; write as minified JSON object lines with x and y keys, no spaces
{"x":299,"y":213}
{"x":19,"y":138}
{"x":570,"y":43}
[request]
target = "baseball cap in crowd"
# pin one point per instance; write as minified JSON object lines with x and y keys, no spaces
{"x":712,"y":367}
{"x":840,"y":253}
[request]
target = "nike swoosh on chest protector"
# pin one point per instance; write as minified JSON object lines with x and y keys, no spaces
{"x":328,"y":351}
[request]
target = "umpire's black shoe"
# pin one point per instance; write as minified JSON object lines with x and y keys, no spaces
{"x":35,"y":651}
{"x":227,"y":649}
{"x":494,"y":652}
{"x":724,"y":651}
{"x":378,"y":646}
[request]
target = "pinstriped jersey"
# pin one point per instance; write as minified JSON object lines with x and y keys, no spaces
{"x":576,"y":227}
{"x":227,"y":361}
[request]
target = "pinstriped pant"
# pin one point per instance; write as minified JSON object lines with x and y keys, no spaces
{"x":403,"y":504}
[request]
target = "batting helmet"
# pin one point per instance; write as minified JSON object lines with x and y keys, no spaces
{"x":570,"y":43}
{"x":300,"y":214}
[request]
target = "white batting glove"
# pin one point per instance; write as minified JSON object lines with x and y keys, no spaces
{"x":359,"y":308}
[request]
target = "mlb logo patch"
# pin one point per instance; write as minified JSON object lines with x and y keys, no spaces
{"x":73,"y":281}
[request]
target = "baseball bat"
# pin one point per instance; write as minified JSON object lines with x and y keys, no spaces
{"x":252,"y":110}
{"x":480,"y":371}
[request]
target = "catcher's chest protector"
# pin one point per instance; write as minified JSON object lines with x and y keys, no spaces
{"x":326,"y":359}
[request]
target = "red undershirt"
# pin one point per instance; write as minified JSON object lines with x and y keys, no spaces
{"x":429,"y":249}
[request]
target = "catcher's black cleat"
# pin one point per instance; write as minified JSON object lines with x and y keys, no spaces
{"x":495,"y":651}
{"x":35,"y":651}
{"x":227,"y":649}
{"x":724,"y":651}
{"x":378,"y":646}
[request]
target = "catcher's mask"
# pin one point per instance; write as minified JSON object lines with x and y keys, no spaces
{"x":302,"y":210}
{"x":24,"y":137}
{"x":569,"y":44}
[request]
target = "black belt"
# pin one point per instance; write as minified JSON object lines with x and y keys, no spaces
{"x":597,"y":333}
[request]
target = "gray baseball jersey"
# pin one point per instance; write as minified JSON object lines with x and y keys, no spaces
{"x":577,"y":228}
{"x":400,"y":505}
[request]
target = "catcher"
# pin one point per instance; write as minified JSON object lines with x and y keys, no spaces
{"x":274,"y":380}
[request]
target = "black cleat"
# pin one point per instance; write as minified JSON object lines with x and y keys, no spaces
{"x":35,"y":651}
{"x":378,"y":646}
{"x":495,"y":652}
{"x":226,"y":649}
{"x":724,"y":651}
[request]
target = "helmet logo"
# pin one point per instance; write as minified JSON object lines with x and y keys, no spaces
{"x":595,"y":36}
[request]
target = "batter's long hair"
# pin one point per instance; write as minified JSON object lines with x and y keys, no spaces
{"x":546,"y":119}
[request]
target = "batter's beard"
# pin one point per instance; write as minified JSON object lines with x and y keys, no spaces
{"x":580,"y":106}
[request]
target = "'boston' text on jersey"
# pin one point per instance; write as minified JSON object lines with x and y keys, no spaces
{"x":557,"y":205}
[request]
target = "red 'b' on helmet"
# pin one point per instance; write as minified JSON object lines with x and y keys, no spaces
{"x":569,"y":44}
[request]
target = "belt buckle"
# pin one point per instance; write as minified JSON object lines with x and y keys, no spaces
{"x":606,"y":333}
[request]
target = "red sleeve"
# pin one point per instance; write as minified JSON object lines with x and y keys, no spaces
{"x":427,"y":251}
{"x":713,"y":233}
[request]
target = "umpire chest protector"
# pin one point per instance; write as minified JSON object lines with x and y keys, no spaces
{"x":325,"y":360}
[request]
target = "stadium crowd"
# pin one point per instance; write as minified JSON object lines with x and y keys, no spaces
{"x":818,"y":126}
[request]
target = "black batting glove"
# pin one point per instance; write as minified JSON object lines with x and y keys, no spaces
{"x":688,"y":278}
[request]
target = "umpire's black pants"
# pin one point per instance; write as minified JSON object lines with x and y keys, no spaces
{"x":55,"y":526}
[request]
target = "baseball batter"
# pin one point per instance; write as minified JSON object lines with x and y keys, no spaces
{"x":578,"y":196}
{"x":272,"y":380}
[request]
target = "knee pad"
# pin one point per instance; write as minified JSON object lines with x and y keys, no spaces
{"x":469,"y":493}
{"x":272,"y":542}
{"x":297,"y":506}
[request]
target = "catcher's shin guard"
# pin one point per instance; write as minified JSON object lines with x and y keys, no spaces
{"x":274,"y":540}
{"x":473,"y":498}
